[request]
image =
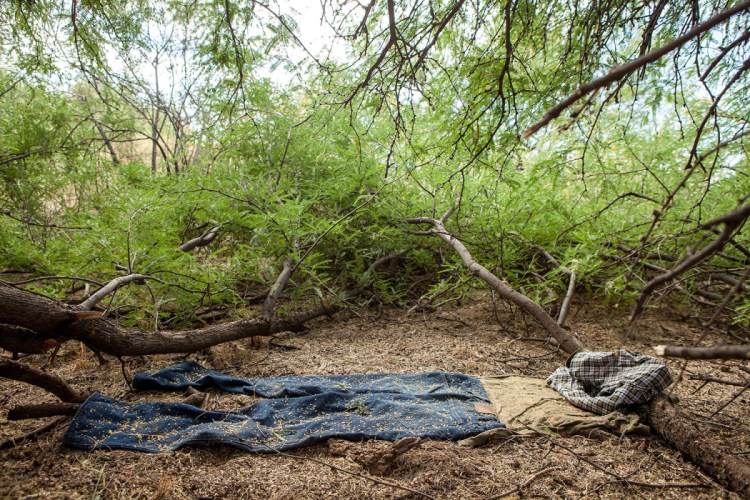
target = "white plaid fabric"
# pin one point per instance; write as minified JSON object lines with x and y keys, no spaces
{"x":602,"y":382}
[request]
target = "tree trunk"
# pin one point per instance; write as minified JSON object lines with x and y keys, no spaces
{"x":677,"y":430}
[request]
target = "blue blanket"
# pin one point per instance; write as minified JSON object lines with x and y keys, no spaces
{"x":299,"y":411}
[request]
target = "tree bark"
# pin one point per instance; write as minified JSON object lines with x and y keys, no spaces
{"x":50,"y":319}
{"x":110,"y":287}
{"x":677,"y":430}
{"x":715,"y":352}
{"x":43,"y":410}
{"x":47,"y":381}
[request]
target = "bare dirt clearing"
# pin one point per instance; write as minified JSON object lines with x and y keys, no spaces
{"x":478,"y":338}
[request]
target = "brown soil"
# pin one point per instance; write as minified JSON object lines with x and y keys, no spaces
{"x":479,"y":337}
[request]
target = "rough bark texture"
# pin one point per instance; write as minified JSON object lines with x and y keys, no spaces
{"x":682,"y":434}
{"x":50,"y":320}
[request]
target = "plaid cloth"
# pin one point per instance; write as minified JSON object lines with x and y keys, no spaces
{"x":602,"y":382}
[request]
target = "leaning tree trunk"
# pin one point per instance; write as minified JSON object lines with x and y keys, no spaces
{"x":567,"y":342}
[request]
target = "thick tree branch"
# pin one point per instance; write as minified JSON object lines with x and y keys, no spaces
{"x":715,"y":352}
{"x":43,"y":410}
{"x":679,"y":431}
{"x":50,"y":319}
{"x":47,"y":381}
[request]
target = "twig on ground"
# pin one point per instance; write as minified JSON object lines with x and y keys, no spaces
{"x":32,"y":435}
{"x":530,"y":480}
{"x":357,"y":474}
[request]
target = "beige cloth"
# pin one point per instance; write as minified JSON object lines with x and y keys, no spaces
{"x":528,"y":407}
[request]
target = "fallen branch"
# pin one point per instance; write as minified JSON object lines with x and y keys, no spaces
{"x":357,"y":474}
{"x":50,"y":319}
{"x":43,"y":410}
{"x":568,"y":343}
{"x":715,"y":352}
{"x":619,"y":72}
{"x":677,"y":430}
{"x":30,"y":436}
{"x":47,"y":381}
{"x":708,"y":378}
{"x":530,"y":480}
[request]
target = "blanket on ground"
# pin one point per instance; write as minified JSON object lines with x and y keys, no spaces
{"x":299,"y":411}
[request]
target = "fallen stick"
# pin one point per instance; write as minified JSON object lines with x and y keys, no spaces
{"x":30,"y":436}
{"x":47,"y":381}
{"x":715,"y":352}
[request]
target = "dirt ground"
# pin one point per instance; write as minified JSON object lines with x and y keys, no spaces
{"x":479,"y":337}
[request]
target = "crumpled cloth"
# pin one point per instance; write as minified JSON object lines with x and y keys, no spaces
{"x":529,"y":408}
{"x":603,"y":382}
{"x":299,"y":411}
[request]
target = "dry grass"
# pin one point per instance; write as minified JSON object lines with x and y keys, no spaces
{"x":478,"y":338}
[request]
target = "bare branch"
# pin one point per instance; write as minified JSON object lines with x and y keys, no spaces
{"x":47,"y":381}
{"x":715,"y":352}
{"x":569,"y":343}
{"x":273,"y":296}
{"x":732,"y":221}
{"x":49,"y":318}
{"x":110,"y":287}
{"x":620,"y":72}
{"x":200,"y":241}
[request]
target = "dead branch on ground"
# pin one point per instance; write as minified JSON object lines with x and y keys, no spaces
{"x":47,"y":381}
{"x":677,"y":430}
{"x":42,"y":410}
{"x":30,"y":436}
{"x":715,"y":352}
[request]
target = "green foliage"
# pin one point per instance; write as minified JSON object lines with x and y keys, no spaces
{"x":291,"y":173}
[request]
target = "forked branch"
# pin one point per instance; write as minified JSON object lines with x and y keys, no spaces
{"x":567,"y":342}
